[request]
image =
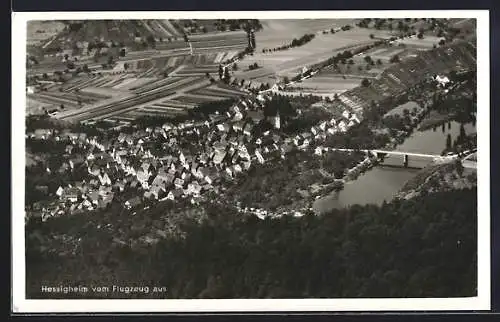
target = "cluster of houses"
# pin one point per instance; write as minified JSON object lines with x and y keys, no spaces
{"x":172,"y":162}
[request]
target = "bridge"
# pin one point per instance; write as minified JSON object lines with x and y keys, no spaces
{"x":405,"y":155}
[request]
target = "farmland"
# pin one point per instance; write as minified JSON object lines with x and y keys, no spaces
{"x":159,"y":73}
{"x":41,"y":32}
{"x":289,"y":62}
{"x":168,"y":77}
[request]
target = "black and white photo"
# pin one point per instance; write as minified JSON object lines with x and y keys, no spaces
{"x":289,"y":161}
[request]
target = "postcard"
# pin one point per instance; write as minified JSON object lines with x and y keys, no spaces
{"x":294,"y":161}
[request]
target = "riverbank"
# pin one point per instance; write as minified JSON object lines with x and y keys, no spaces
{"x":435,"y":119}
{"x":439,"y":177}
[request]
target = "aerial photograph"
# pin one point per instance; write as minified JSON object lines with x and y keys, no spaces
{"x":251,"y":158}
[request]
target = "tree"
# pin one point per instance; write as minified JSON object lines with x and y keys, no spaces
{"x":462,"y":132}
{"x":227,"y":77}
{"x":122,"y":52}
{"x":420,"y":36}
{"x":221,"y":71}
{"x":365,"y":82}
{"x":448,"y":142}
{"x":235,"y":66}
{"x":459,"y":166}
{"x":125,"y":66}
{"x":441,"y":42}
{"x":372,"y":36}
{"x":379,"y":62}
{"x":351,"y":62}
{"x":252,"y":40}
{"x":395,"y":59}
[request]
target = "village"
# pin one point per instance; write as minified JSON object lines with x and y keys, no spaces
{"x":171,"y":162}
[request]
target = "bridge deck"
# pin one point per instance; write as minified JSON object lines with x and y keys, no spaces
{"x":394,"y":153}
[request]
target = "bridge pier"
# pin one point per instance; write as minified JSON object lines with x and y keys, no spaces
{"x":405,"y":161}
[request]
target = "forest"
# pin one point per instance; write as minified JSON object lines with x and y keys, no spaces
{"x":422,"y":247}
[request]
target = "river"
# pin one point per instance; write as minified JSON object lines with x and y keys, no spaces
{"x":383,"y":182}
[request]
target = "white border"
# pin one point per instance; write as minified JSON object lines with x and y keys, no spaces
{"x":21,"y":305}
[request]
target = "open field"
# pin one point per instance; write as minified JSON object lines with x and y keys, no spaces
{"x":422,"y":44}
{"x":102,"y":97}
{"x":278,"y":32}
{"x":290,"y":62}
{"x":34,"y":107}
{"x":40,"y":32}
{"x":325,"y":85}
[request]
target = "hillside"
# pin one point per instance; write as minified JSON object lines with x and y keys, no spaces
{"x":423,"y":247}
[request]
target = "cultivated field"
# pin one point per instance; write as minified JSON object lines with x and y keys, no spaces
{"x":422,"y":44}
{"x":329,"y":85}
{"x":40,"y":32}
{"x":290,"y":62}
{"x":278,"y":32}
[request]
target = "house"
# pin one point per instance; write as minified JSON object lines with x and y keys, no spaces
{"x":86,"y":203}
{"x":64,"y":167}
{"x":342,"y":126}
{"x":223,"y":127}
{"x":93,"y":182}
{"x":122,"y":137}
{"x":194,"y":188}
{"x":60,"y":191}
{"x":170,"y":195}
{"x":219,"y":156}
{"x":42,"y":134}
{"x":148,"y":195}
{"x":134,"y":183}
{"x":42,"y":189}
{"x":346,"y":114}
{"x":94,"y":197}
{"x":167,"y":126}
{"x":133,"y":202}
{"x":247,"y":164}
{"x":237,"y":168}
{"x":209,"y":174}
{"x":256,"y":116}
{"x":68,"y":148}
{"x":94,"y":170}
{"x":276,"y":121}
{"x":229,"y":172}
{"x":119,"y":185}
{"x":355,"y":119}
{"x":105,"y":190}
{"x":104,"y":179}
{"x":238,"y":116}
{"x":238,"y":126}
{"x":157,"y":190}
{"x":179,"y":183}
{"x":71,"y":194}
{"x":248,"y":129}
{"x":76,"y":161}
{"x":259,"y":156}
{"x":143,"y":176}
